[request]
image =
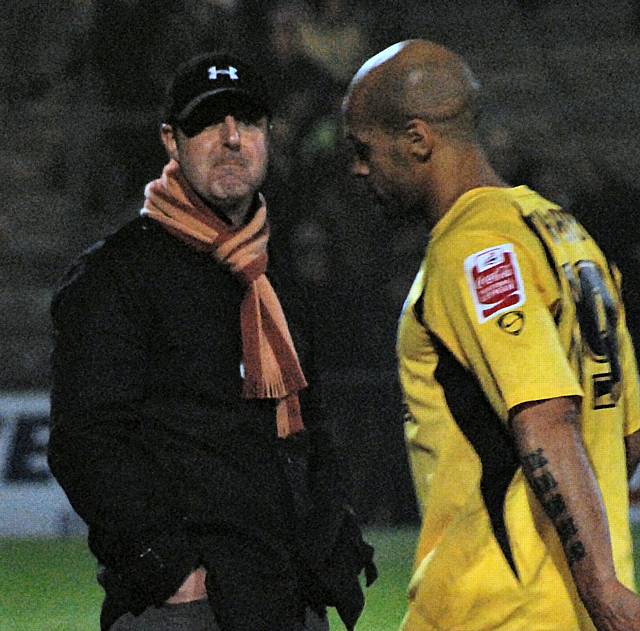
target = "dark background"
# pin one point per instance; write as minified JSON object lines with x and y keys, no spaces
{"x":83,"y":82}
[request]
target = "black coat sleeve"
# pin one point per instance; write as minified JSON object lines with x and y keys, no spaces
{"x":97,"y":449}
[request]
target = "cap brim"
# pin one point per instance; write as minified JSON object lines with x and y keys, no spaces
{"x":219,"y":94}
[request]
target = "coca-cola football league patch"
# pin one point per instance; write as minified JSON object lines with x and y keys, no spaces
{"x":494,"y":279}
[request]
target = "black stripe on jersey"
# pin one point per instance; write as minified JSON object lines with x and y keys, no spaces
{"x":487,"y":434}
{"x":550,"y":260}
{"x":418,"y":308}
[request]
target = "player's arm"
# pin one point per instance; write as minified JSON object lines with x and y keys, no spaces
{"x":632,"y":445}
{"x":554,"y":461}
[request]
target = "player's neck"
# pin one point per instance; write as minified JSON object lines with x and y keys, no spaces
{"x":464,"y":172}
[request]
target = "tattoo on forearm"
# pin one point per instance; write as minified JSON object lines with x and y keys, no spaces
{"x":554,"y":506}
{"x":544,"y":486}
{"x":534,"y":460}
{"x":543,"y":483}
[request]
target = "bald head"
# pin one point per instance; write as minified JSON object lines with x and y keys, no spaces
{"x":415,"y":79}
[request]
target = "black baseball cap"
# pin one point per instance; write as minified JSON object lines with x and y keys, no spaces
{"x":207,"y":82}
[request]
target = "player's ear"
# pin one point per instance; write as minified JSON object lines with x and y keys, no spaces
{"x":420,"y":139}
{"x":168,"y":137}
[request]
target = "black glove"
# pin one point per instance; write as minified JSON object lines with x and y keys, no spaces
{"x":338,"y":577}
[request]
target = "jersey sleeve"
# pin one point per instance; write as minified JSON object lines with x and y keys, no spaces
{"x":494,"y":308}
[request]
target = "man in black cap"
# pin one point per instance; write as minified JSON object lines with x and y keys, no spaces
{"x":186,"y":426}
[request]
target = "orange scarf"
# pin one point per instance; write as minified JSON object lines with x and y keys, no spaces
{"x":271,"y":366}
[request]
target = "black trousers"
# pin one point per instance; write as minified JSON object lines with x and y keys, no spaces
{"x":193,"y":616}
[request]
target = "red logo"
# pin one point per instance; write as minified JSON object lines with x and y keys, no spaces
{"x":493,"y":276}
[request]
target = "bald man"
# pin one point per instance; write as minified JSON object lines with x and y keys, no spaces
{"x":517,"y":370}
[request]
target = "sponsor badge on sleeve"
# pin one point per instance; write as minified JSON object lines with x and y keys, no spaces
{"x":494,"y":279}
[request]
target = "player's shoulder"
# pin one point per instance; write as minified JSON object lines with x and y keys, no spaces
{"x":497,"y":209}
{"x":474,"y":223}
{"x":484,"y":219}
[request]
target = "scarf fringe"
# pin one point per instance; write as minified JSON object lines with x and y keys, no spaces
{"x":288,"y":416}
{"x":260,"y":388}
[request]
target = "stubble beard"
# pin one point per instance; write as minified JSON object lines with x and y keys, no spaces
{"x":233,"y":185}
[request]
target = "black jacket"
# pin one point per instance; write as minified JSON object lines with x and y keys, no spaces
{"x":169,"y":466}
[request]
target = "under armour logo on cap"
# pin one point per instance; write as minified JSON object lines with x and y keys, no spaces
{"x":213,"y":77}
{"x":231,"y":72}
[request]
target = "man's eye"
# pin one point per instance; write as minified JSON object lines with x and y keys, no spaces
{"x":213,"y":121}
{"x":199,"y":121}
{"x":248,"y":116}
{"x":248,"y":121}
{"x":210,"y":117}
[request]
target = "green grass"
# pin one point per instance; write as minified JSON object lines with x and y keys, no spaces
{"x":49,"y":584}
{"x":385,"y":599}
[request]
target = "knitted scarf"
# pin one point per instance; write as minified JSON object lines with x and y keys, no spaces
{"x":271,"y":366}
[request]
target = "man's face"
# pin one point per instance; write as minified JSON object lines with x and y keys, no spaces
{"x":379,"y":157}
{"x":224,"y":156}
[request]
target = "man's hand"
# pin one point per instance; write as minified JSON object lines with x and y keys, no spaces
{"x":614,"y":608}
{"x":192,"y":589}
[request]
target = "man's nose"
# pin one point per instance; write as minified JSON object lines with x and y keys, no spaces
{"x":230,"y":132}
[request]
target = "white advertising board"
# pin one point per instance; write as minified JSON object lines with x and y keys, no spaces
{"x":31,"y":502}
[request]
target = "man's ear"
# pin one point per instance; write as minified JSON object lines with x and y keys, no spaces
{"x":168,"y":137}
{"x":421,"y":139}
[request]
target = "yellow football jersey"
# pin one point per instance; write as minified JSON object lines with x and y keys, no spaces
{"x":514,"y":302}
